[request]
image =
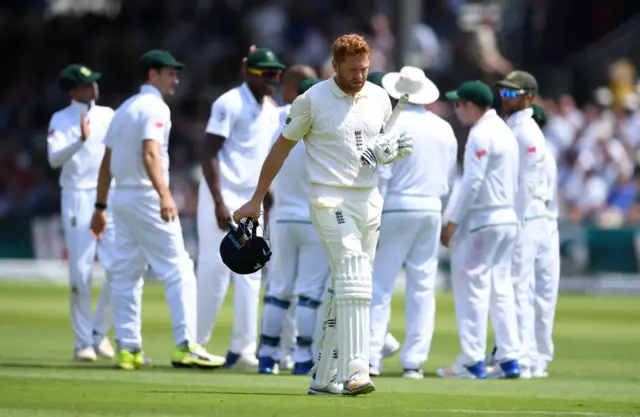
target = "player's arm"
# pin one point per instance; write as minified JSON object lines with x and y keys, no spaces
{"x":296,"y":127}
{"x":453,"y":164}
{"x":104,"y":178}
{"x":476,"y":159}
{"x":60,"y":146}
{"x":529,"y":155}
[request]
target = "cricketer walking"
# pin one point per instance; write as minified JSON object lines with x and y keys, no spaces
{"x":485,"y":225}
{"x":75,"y":143}
{"x":340,"y":120}
{"x":148,"y":229}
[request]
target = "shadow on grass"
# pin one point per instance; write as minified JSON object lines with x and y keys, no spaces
{"x":286,"y":394}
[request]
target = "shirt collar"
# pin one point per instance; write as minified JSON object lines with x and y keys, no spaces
{"x":490,"y":114}
{"x":516,"y":117}
{"x":246,"y":91}
{"x":338,"y":92}
{"x":83,"y":107}
{"x":149,"y":89}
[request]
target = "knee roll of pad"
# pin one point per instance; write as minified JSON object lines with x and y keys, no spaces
{"x":354,"y":278}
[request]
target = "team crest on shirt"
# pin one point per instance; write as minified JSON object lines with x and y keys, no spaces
{"x":531,"y":149}
{"x":51,"y":132}
{"x":159,"y":125}
{"x":480,"y":153}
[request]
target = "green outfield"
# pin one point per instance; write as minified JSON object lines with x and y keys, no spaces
{"x":597,"y":371}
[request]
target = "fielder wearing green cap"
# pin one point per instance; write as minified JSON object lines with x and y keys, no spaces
{"x":485,"y":225}
{"x":160,"y":69}
{"x":75,"y":145}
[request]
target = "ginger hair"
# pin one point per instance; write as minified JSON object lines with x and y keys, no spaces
{"x":351,"y":44}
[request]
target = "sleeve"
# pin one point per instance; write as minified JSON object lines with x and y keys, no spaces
{"x":529,"y":155}
{"x":476,"y":160}
{"x":453,"y":167}
{"x":61,"y":145}
{"x":300,"y":118}
{"x":155,"y":123}
{"x":223,"y":114}
{"x":552,"y":177}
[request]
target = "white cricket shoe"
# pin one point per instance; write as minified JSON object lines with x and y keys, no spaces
{"x":86,"y":354}
{"x":244,"y":363}
{"x":104,"y":349}
{"x":538,"y":373}
{"x":413,"y":374}
{"x":525,"y":372}
{"x":374,"y":370}
{"x":333,"y":388}
{"x":359,"y":383}
{"x":391,"y":346}
{"x":287,"y":363}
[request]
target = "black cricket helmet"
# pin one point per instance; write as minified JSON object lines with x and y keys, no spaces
{"x":242,"y":250}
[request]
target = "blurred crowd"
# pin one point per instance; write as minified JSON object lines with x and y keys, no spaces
{"x":596,"y":144}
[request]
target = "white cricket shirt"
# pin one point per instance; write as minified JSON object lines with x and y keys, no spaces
{"x":420,"y":181}
{"x":337,"y":128}
{"x":80,"y":161}
{"x":551,"y":176}
{"x":490,"y":180}
{"x":291,"y":185}
{"x":532,"y":145}
{"x":248,"y":128}
{"x":143,"y":116}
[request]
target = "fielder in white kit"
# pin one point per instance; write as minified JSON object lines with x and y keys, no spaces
{"x":240,"y":131}
{"x":146,"y":219}
{"x":75,"y":143}
{"x":485,"y":226}
{"x":340,"y":120}
{"x":411,"y":221}
{"x":517,"y":91}
{"x":547,"y":265}
{"x":300,"y":268}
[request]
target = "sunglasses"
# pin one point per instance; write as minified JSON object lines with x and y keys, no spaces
{"x":265,"y":73}
{"x":511,"y":93}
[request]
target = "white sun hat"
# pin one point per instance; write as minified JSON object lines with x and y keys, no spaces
{"x":413,"y":81}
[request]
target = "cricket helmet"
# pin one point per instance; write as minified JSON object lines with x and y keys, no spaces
{"x":242,"y":250}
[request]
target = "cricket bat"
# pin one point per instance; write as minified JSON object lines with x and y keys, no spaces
{"x":404,"y":99}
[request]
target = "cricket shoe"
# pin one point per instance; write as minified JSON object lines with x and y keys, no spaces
{"x":85,"y":354}
{"x":302,"y":368}
{"x":538,"y":372}
{"x":375,"y":370}
{"x":476,"y":371}
{"x":507,"y":370}
{"x":242,"y":362}
{"x":132,"y":360}
{"x":391,"y":346}
{"x":333,"y":388}
{"x":286,"y":363}
{"x":413,"y":374}
{"x":104,"y":349}
{"x":194,"y":355}
{"x":359,"y":383}
{"x":268,"y":366}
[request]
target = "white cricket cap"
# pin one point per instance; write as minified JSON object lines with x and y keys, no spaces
{"x":412,"y":81}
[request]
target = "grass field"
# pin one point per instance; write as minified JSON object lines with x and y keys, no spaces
{"x":596,"y":372}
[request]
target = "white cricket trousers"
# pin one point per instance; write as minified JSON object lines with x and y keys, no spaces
{"x":547,"y":266}
{"x":523,"y":276}
{"x":348,"y":224}
{"x":143,"y":238}
{"x":77,"y":208}
{"x":480,"y":277}
{"x":300,"y":270}
{"x":214,"y":277}
{"x":410,"y":238}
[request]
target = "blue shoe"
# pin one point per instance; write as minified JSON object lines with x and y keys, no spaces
{"x":267,"y":365}
{"x":511,"y":369}
{"x":478,"y":369}
{"x":302,"y":368}
{"x":241,"y":362}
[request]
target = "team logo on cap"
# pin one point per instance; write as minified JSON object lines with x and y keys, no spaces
{"x":85,"y":71}
{"x":511,"y":75}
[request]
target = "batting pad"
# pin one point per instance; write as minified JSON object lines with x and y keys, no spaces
{"x":325,"y":368}
{"x":353,"y":289}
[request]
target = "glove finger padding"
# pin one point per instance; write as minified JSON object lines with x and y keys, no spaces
{"x":385,"y":147}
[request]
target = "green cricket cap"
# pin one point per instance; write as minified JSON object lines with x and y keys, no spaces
{"x":520,"y":80}
{"x":264,"y":58}
{"x":157,"y":59}
{"x":75,"y":75}
{"x":476,"y":92}
{"x":376,"y":78}
{"x":539,"y":115}
{"x":307,"y":84}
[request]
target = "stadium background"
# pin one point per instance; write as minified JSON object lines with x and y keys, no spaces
{"x":584,"y":53}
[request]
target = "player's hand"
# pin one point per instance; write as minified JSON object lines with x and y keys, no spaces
{"x":251,"y":209}
{"x":447,"y":233}
{"x":405,"y":145}
{"x":223,"y":216}
{"x":98,"y":224}
{"x":168,"y":208}
{"x":84,"y":127}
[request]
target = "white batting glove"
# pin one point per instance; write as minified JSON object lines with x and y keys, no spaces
{"x":383,"y":150}
{"x":405,"y":145}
